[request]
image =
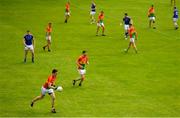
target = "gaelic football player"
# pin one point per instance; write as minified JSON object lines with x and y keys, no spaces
{"x":67,"y":12}
{"x":133,"y":36}
{"x":92,"y":12}
{"x":126,"y":21}
{"x":28,"y":45}
{"x":48,"y":37}
{"x":175,"y":18}
{"x":48,"y":87}
{"x":82,"y":61}
{"x":151,"y":15}
{"x":100,"y":23}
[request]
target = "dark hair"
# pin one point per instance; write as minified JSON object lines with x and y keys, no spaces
{"x":83,"y":52}
{"x":54,"y":70}
{"x":125,"y":14}
{"x":174,"y":7}
{"x":28,"y":31}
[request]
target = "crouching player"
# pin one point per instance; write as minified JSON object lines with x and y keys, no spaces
{"x":48,"y":87}
{"x":133,"y":36}
{"x":81,"y":63}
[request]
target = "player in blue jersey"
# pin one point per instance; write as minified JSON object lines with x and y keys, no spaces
{"x":175,"y":18}
{"x":93,"y":12}
{"x":29,"y":45}
{"x":126,"y":21}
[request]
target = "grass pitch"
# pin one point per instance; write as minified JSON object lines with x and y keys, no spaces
{"x":117,"y":84}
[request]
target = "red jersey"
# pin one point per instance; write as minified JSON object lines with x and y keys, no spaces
{"x":49,"y":29}
{"x":132,"y":32}
{"x":100,"y":17}
{"x":51,"y":79}
{"x":67,"y":7}
{"x":151,"y":11}
{"x":82,"y":60}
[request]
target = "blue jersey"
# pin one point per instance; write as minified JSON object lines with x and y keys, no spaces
{"x":28,"y":39}
{"x":93,"y":7}
{"x":126,"y":20}
{"x":175,"y":13}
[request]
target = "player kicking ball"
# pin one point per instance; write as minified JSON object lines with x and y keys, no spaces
{"x":133,"y":36}
{"x":48,"y":87}
{"x":81,"y":63}
{"x":100,"y":23}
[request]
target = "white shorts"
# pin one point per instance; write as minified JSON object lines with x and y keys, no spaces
{"x":92,"y":13}
{"x":67,"y":13}
{"x":152,"y":18}
{"x":82,"y":72}
{"x":175,"y":19}
{"x":48,"y":37}
{"x":132,"y":40}
{"x":29,"y":47}
{"x":100,"y":24}
{"x":126,"y":27}
{"x":44,"y":91}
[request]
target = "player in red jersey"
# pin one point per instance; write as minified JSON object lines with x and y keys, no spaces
{"x":133,"y":36}
{"x":152,"y":18}
{"x":48,"y":36}
{"x":48,"y":87}
{"x":100,"y":23}
{"x":81,"y":63}
{"x":67,"y":12}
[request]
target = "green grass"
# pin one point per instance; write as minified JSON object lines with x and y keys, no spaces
{"x":117,"y":84}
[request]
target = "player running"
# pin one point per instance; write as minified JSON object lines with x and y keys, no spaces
{"x":151,"y":15}
{"x":175,"y":18}
{"x":48,"y":36}
{"x":126,"y":21}
{"x":29,"y":45}
{"x":93,"y":12}
{"x":48,"y":87}
{"x":100,"y":23}
{"x":81,"y":63}
{"x":67,"y":12}
{"x":133,"y":36}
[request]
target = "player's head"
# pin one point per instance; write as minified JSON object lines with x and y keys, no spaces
{"x":84,"y":52}
{"x":54,"y":72}
{"x":102,"y":12}
{"x":125,"y":14}
{"x":130,"y":24}
{"x":49,"y":23}
{"x":152,"y":5}
{"x":174,"y":7}
{"x":28,"y":32}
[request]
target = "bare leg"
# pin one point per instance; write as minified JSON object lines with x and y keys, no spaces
{"x":103,"y":28}
{"x":32,"y":52}
{"x":25,"y":55}
{"x":36,"y":99}
{"x":97,"y":31}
